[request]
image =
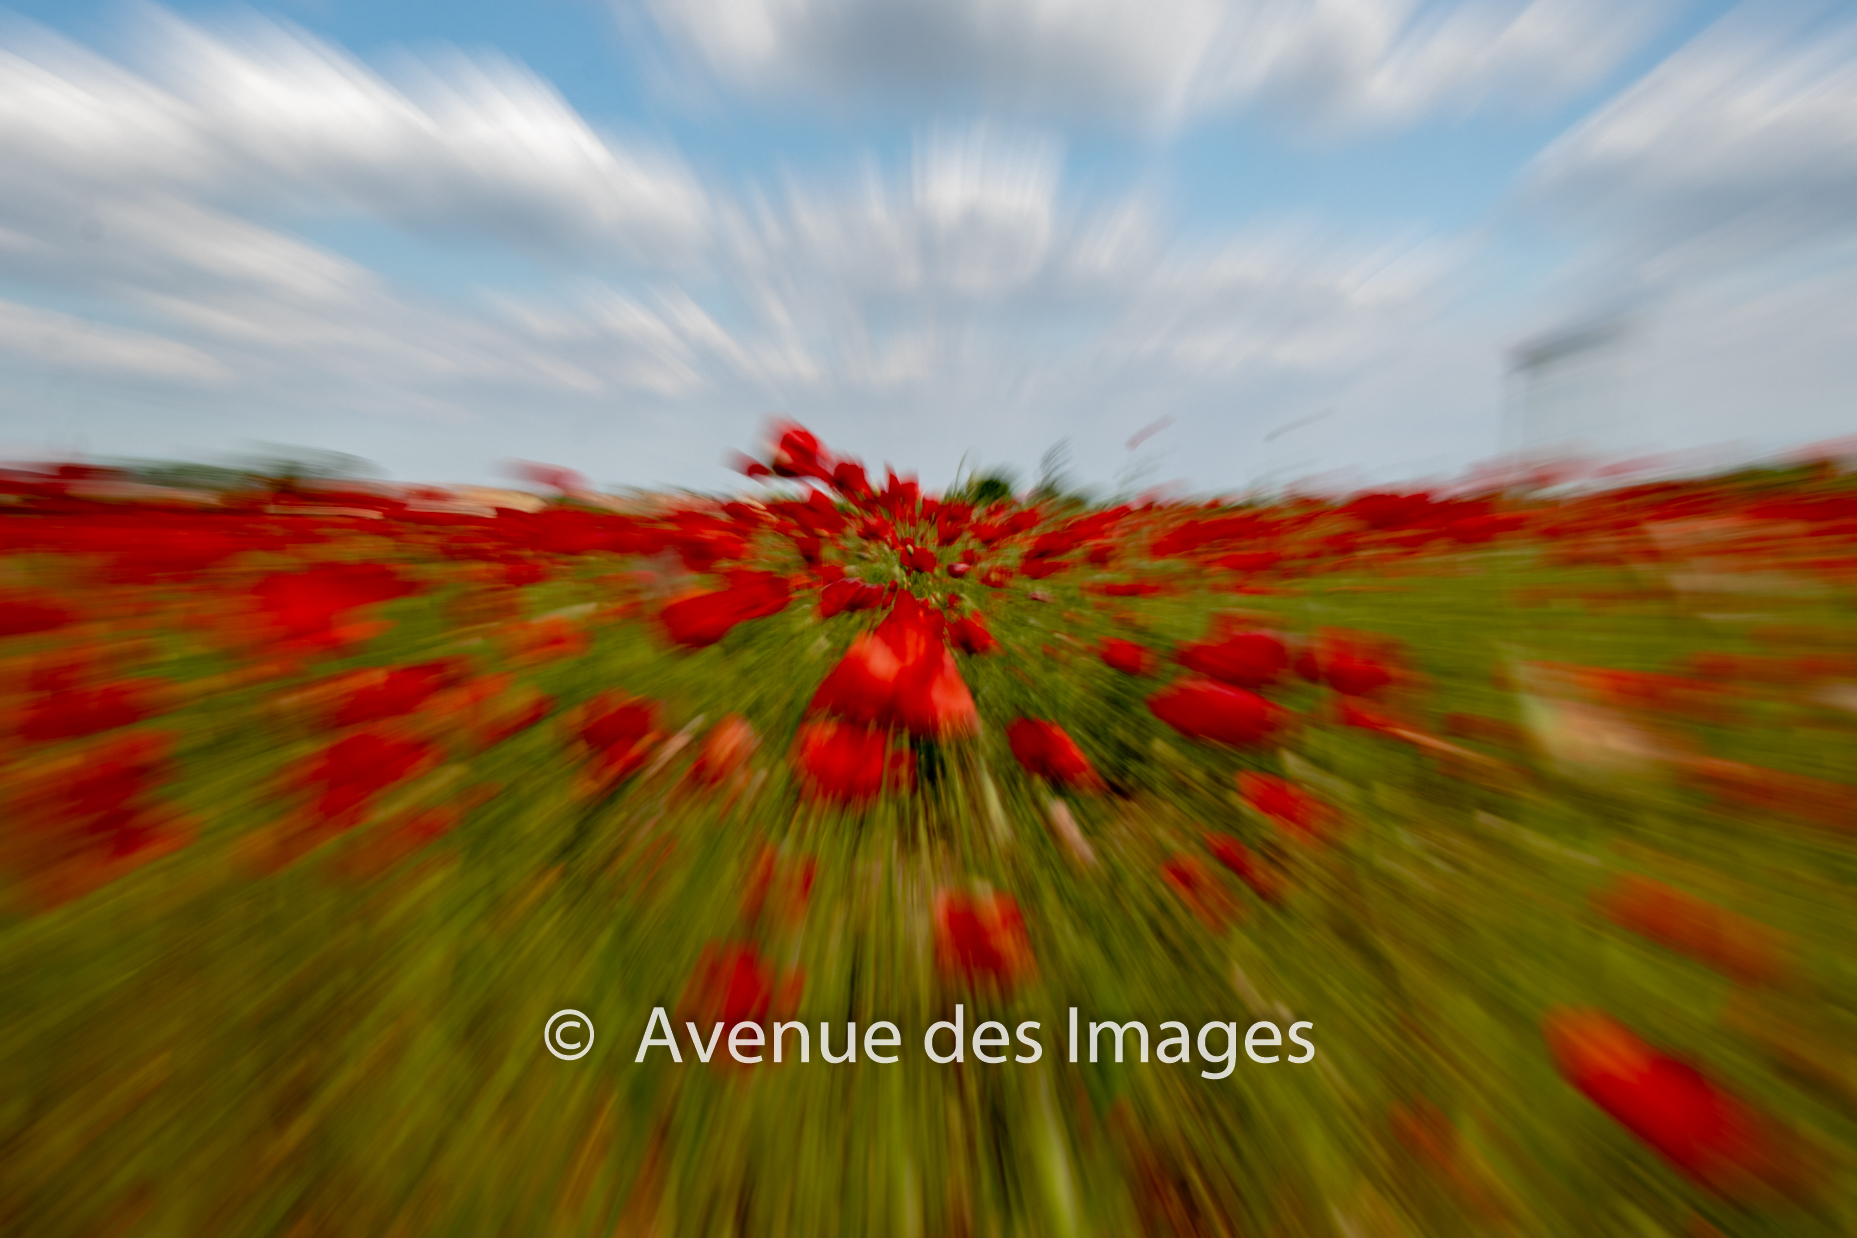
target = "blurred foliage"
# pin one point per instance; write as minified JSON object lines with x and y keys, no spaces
{"x":996,"y":485}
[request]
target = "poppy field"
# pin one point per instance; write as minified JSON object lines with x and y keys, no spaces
{"x":1537,"y":811}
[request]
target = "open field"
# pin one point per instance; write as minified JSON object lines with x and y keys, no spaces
{"x":1542,"y":813}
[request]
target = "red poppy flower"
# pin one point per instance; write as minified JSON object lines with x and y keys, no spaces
{"x":1045,"y":751}
{"x":725,"y":750}
{"x":80,"y":821}
{"x":798,"y":888}
{"x":71,"y":714}
{"x":619,"y":731}
{"x":390,"y":692}
{"x":810,"y":548}
{"x":705,"y":618}
{"x":1239,"y":858}
{"x":1355,"y":714}
{"x":848,"y":594}
{"x":393,"y":841}
{"x":543,"y":640}
{"x":1051,"y":545}
{"x":919,"y":558}
{"x":1129,"y":589}
{"x":1038,"y":569}
{"x":22,"y":614}
{"x":1352,"y":663}
{"x":901,"y":675}
{"x":1249,"y":560}
{"x":353,"y":770}
{"x":1356,"y":676}
{"x":1199,"y":889}
{"x":849,"y":480}
{"x":901,"y":497}
{"x":996,"y":577}
{"x":820,"y":515}
{"x":507,"y":712}
{"x":797,"y":453}
{"x":1298,"y":812}
{"x":862,"y":687}
{"x":1022,"y":521}
{"x":848,"y":764}
{"x":305,"y":605}
{"x":951,"y":522}
{"x":787,"y":886}
{"x":1242,"y":659}
{"x":1128,"y":657}
{"x":969,"y":634}
{"x":1692,"y":1123}
{"x":1734,"y":945}
{"x":66,"y":669}
{"x":732,"y":984}
{"x":1209,"y":710}
{"x":158,"y":548}
{"x":526,"y":572}
{"x":932,"y":699}
{"x":1760,"y":789}
{"x":91,"y":791}
{"x":981,"y":937}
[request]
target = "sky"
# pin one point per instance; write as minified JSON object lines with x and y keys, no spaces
{"x":1286,"y":240}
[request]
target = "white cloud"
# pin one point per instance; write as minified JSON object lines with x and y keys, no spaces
{"x":1736,"y":148}
{"x":1285,"y":298}
{"x":986,"y":211}
{"x":142,"y":194}
{"x":481,"y":146}
{"x":63,"y":341}
{"x":1344,"y":64}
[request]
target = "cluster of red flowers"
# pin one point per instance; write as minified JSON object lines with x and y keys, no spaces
{"x":81,"y":820}
{"x":899,"y":677}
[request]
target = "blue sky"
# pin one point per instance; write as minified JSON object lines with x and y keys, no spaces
{"x":618,"y":235}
